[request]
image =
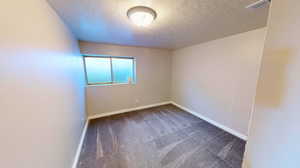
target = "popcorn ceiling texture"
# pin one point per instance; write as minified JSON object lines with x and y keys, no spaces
{"x":180,"y":23}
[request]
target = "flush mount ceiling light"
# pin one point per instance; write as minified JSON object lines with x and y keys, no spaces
{"x":141,"y":15}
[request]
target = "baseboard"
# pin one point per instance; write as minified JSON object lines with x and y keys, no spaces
{"x":227,"y":129}
{"x":127,"y":110}
{"x":75,"y":162}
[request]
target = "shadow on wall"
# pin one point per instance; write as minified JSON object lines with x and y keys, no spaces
{"x":273,"y":76}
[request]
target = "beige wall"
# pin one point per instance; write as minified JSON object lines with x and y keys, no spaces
{"x":42,"y":88}
{"x":274,"y":140}
{"x":217,"y":79}
{"x":153,"y":68}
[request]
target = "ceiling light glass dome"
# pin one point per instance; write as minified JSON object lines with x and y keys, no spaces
{"x":141,"y":15}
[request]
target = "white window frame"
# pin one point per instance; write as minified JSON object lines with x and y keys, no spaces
{"x":133,"y":81}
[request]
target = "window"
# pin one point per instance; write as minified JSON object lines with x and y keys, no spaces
{"x":109,"y":70}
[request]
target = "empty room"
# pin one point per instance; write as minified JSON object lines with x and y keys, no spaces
{"x":150,"y":84}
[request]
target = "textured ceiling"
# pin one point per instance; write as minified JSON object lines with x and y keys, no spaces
{"x":179,"y":23}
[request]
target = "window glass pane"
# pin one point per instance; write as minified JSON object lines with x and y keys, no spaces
{"x":123,"y":70}
{"x":98,"y":70}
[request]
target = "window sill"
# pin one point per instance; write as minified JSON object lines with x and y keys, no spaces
{"x":114,"y":84}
